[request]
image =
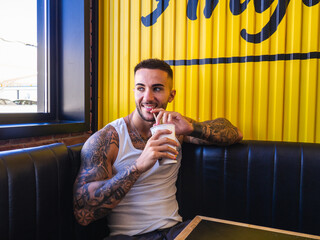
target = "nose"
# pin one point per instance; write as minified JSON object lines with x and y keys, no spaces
{"x":148,"y":96}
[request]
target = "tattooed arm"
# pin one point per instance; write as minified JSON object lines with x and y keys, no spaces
{"x":219,"y":131}
{"x":96,"y":191}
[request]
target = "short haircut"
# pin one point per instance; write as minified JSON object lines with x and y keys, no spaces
{"x":154,"y":63}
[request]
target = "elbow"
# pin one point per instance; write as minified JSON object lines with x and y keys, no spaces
{"x":86,"y":214}
{"x":83,"y":223}
{"x":237,"y":138}
{"x":85,"y":217}
{"x":234,"y":138}
{"x":240,"y":136}
{"x":82,"y":217}
{"x":81,"y":214}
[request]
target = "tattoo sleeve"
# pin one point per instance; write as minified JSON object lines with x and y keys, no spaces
{"x":96,"y":191}
{"x":219,"y":131}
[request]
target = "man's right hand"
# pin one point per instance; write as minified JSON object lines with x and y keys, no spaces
{"x":156,"y":148}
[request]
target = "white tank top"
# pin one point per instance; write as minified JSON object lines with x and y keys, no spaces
{"x":151,"y":202}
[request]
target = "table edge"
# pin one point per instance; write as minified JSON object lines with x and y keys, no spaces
{"x":197,"y":219}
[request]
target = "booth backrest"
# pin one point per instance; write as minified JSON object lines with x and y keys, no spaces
{"x":36,"y":186}
{"x":274,"y":184}
{"x":36,"y":193}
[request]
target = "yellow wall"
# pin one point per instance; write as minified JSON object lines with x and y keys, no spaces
{"x":269,"y":88}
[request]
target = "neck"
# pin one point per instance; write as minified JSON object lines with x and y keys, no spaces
{"x":142,"y":126}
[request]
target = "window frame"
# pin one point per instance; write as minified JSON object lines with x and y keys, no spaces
{"x":68,"y":72}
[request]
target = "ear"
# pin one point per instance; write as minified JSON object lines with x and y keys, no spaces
{"x":172,"y":95}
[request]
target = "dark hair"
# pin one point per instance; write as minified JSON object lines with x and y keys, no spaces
{"x":154,"y":63}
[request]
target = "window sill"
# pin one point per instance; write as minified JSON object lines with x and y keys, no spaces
{"x":10,"y":131}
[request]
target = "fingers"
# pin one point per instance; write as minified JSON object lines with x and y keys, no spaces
{"x":167,"y":155}
{"x":167,"y":149}
{"x":164,"y":151}
{"x":156,"y":110}
{"x":170,"y":118}
{"x":169,"y":141}
{"x":159,"y":116}
{"x":155,"y":141}
{"x":167,"y":117}
{"x":159,"y":143}
{"x":163,"y":116}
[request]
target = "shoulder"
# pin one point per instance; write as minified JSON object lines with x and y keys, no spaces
{"x":106,"y":135}
{"x":97,"y":156}
{"x":104,"y":143}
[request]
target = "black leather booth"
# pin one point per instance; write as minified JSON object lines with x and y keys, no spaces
{"x":271,"y":184}
{"x":36,"y":195}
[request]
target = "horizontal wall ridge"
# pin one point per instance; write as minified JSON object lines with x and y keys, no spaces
{"x":244,"y":59}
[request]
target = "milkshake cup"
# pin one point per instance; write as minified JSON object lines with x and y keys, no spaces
{"x":171,"y":127}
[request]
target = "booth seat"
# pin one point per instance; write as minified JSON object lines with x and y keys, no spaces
{"x":273,"y":184}
{"x":36,"y":187}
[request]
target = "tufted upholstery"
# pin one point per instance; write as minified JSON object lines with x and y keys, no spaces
{"x":274,"y":184}
{"x":271,"y":184}
{"x":36,"y":193}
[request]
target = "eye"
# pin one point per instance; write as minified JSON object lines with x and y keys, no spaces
{"x":157,"y":89}
{"x":140,"y":89}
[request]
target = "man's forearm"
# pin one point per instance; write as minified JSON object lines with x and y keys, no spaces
{"x":219,"y":131}
{"x":95,"y":200}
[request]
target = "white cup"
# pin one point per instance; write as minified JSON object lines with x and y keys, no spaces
{"x":171,"y":127}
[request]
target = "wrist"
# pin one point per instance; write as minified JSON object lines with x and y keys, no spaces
{"x":136,"y":170}
{"x":139,"y":167}
{"x":196,"y":130}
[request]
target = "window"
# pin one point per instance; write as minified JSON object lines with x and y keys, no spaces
{"x":62,"y":80}
{"x":18,"y":58}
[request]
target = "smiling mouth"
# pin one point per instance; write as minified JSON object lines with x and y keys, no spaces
{"x":148,"y":107}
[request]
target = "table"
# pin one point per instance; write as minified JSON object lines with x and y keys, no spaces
{"x":206,"y":228}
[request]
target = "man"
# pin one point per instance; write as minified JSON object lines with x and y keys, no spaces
{"x":120,"y":176}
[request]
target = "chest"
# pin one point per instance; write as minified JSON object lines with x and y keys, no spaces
{"x":137,"y":141}
{"x":140,"y":143}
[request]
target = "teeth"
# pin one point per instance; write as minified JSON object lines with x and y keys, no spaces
{"x":149,"y":106}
